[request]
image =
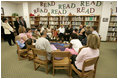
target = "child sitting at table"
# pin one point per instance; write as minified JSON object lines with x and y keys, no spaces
{"x":54,"y":33}
{"x":75,"y":44}
{"x":21,"y":44}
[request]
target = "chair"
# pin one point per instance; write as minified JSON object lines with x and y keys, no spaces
{"x":30,"y":53}
{"x":86,"y":74}
{"x":39,"y":62}
{"x":20,"y":52}
{"x":63,"y":63}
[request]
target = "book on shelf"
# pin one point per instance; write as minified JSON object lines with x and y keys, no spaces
{"x":112,"y":38}
{"x":44,"y":18}
{"x":53,"y":23}
{"x":112,"y":24}
{"x":89,"y":23}
{"x":64,"y":18}
{"x":53,"y":18}
{"x":32,"y":22}
{"x":77,"y":18}
{"x":76,"y":23}
{"x":91,"y":18}
{"x":113,"y":18}
{"x":43,"y":22}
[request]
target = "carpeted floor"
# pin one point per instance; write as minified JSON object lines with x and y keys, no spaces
{"x":12,"y":68}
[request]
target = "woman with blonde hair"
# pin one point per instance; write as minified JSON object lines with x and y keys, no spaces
{"x":22,"y":34}
{"x":90,"y":51}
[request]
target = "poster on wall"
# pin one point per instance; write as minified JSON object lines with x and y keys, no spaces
{"x":105,"y":19}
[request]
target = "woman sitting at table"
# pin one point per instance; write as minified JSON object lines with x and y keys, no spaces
{"x":90,"y":51}
{"x":75,"y":44}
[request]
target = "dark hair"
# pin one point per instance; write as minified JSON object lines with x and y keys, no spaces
{"x":28,"y":29}
{"x":76,"y":30}
{"x":43,"y":32}
{"x":74,"y":36}
{"x":29,"y":41}
{"x":41,"y":25}
{"x":4,"y":19}
{"x":84,"y":26}
{"x":87,"y":32}
{"x":94,"y":27}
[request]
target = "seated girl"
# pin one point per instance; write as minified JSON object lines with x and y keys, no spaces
{"x":20,"y":43}
{"x":75,"y":44}
{"x":90,"y":51}
{"x":22,"y":34}
{"x":29,"y":34}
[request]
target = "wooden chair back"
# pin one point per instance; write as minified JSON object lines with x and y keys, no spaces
{"x":40,"y":52}
{"x":18,"y":47}
{"x":61,"y":54}
{"x":16,"y":38}
{"x":90,"y":62}
{"x":29,"y":47}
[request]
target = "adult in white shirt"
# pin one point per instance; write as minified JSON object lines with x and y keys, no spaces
{"x":41,"y":28}
{"x":8,"y":31}
{"x":93,"y":29}
{"x":43,"y":43}
{"x":91,"y":51}
{"x":61,"y":32}
{"x":75,"y":45}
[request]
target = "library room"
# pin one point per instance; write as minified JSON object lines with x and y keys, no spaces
{"x":59,"y":39}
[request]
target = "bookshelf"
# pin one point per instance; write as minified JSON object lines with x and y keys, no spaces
{"x":75,"y":21}
{"x":112,"y":29}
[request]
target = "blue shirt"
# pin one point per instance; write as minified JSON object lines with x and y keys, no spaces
{"x":20,"y":44}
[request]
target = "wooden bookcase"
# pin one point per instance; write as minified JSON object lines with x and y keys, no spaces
{"x":112,"y":29}
{"x":55,"y":21}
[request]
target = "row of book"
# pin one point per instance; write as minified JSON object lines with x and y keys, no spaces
{"x":112,"y":24}
{"x":53,"y":23}
{"x":111,"y":38}
{"x":43,"y":18}
{"x":89,"y":23}
{"x":76,"y":23}
{"x":92,"y":18}
{"x":64,"y":18}
{"x":112,"y":29}
{"x":43,"y":22}
{"x":113,"y":18}
{"x":77,"y":18}
{"x":53,"y":18}
{"x":65,"y":22}
{"x":112,"y":34}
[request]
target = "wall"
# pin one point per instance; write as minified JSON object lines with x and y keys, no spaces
{"x":20,"y":9}
{"x":104,"y":25}
{"x":9,"y":8}
{"x":114,"y":7}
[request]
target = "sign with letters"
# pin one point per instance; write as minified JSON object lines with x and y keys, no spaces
{"x":66,"y":7}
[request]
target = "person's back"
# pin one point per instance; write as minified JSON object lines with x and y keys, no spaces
{"x":43,"y":43}
{"x":94,"y":30}
{"x":86,"y":53}
{"x":76,"y":44}
{"x":90,"y":51}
